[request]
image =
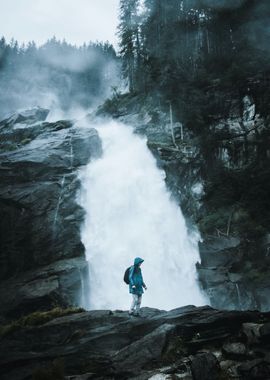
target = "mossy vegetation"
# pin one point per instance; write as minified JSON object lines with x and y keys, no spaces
{"x":37,"y":318}
{"x":216,"y":222}
{"x":9,"y":147}
{"x":120,"y":104}
{"x":26,"y":141}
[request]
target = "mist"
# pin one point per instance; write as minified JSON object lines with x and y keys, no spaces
{"x":56,"y":75}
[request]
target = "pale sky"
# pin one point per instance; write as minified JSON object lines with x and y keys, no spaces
{"x":77,"y":21}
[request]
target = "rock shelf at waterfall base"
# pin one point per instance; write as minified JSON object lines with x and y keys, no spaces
{"x":191,"y":343}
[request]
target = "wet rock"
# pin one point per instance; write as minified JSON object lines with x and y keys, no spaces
{"x":235,"y":351}
{"x":252,"y":332}
{"x":231,"y":125}
{"x":145,"y":350}
{"x":219,"y":251}
{"x":265,"y":332}
{"x":213,"y":276}
{"x":40,"y":289}
{"x":257,"y":369}
{"x":40,"y":219}
{"x":229,"y":367}
{"x":261,"y":292}
{"x":27,"y":117}
{"x":249,"y":108}
{"x":229,"y":278}
{"x":110,"y":344}
{"x":205,"y":366}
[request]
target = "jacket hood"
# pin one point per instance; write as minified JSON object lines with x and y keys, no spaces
{"x":138,"y":260}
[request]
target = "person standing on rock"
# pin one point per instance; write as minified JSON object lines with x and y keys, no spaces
{"x":136,"y":286}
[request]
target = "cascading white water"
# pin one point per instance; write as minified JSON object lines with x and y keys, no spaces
{"x":129,"y":213}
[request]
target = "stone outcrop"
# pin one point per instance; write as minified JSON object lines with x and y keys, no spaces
{"x":41,"y":254}
{"x":231,"y":276}
{"x":187,"y":343}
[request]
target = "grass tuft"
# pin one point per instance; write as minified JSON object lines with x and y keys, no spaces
{"x":37,"y":318}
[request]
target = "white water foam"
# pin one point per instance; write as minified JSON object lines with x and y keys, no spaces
{"x":130,"y":213}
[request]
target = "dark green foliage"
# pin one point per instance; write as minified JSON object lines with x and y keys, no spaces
{"x":203,"y":57}
{"x":180,"y":51}
{"x":215,"y":222}
{"x":129,"y":43}
{"x":38,"y":318}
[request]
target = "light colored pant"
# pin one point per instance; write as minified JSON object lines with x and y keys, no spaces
{"x":136,"y":303}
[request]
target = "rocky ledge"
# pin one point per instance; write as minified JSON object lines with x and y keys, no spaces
{"x":185,"y":343}
{"x":41,"y":255}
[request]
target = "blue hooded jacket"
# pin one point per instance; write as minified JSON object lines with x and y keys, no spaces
{"x":135,"y":278}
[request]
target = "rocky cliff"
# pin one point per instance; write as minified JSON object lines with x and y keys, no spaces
{"x":41,"y":254}
{"x":43,"y":264}
{"x":187,"y":343}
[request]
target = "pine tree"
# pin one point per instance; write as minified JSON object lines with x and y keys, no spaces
{"x":3,"y":47}
{"x":128,"y":31}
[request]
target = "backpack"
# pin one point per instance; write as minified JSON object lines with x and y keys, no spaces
{"x":126,"y":276}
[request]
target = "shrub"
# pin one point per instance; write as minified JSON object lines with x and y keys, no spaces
{"x":38,"y":318}
{"x":215,"y":221}
{"x":26,"y":141}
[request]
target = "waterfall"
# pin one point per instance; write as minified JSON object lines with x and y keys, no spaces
{"x":71,"y":152}
{"x":58,"y":204}
{"x":239,"y":298}
{"x":129,"y":213}
{"x":83,"y":300}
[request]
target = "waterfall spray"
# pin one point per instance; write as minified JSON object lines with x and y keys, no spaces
{"x":62,"y":184}
{"x":129,"y":213}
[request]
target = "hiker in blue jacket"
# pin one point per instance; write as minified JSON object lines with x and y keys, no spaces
{"x":136,"y":286}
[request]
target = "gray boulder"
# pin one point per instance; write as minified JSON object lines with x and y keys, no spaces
{"x":27,"y":117}
{"x":40,"y":219}
{"x":220,"y":251}
{"x":235,"y":350}
{"x":205,"y":366}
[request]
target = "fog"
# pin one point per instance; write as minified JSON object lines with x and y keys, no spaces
{"x":51,"y":72}
{"x":56,"y":75}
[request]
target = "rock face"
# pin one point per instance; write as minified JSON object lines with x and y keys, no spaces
{"x":229,"y":274}
{"x":188,"y":343}
{"x":41,"y":255}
